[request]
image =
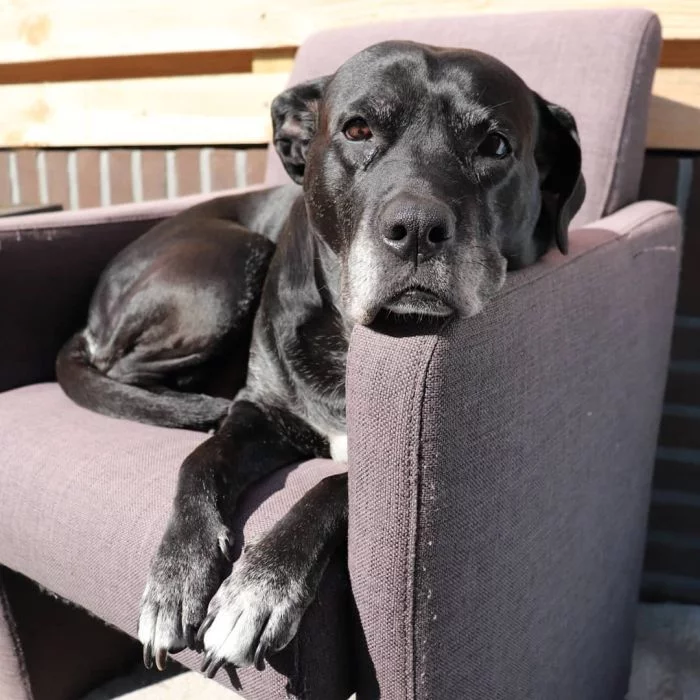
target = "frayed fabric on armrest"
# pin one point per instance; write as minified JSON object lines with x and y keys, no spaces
{"x":500,"y":470}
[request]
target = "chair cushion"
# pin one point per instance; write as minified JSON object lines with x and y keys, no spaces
{"x":598,"y":64}
{"x":84,"y":500}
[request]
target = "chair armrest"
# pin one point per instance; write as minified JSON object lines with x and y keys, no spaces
{"x":49,"y":266}
{"x":500,"y":472}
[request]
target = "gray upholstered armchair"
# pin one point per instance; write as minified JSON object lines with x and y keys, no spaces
{"x":499,"y":469}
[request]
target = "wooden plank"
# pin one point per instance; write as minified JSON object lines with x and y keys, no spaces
{"x":152,"y":111}
{"x":43,"y":30}
{"x":674,"y":54}
{"x":680,"y":54}
{"x":133,"y":66}
{"x":674,"y":118}
{"x":228,"y":109}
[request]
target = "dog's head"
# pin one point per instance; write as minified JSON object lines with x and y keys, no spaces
{"x":429,"y":172}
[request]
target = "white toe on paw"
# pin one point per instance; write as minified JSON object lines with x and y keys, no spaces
{"x":159,"y":621}
{"x":252,"y":611}
{"x":147,"y":624}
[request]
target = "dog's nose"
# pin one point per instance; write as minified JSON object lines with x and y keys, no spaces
{"x":416,"y":227}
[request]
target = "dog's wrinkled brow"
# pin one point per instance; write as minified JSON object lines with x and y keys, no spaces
{"x":378,"y":109}
{"x":477,"y":121}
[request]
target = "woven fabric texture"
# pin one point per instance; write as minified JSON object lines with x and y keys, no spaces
{"x":500,"y":471}
{"x":83,"y":509}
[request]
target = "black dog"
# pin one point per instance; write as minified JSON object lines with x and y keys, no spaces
{"x":426,"y":173}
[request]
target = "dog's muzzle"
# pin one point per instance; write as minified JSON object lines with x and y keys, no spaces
{"x":399,"y":261}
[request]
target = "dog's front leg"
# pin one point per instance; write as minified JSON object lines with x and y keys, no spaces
{"x":259,"y":606}
{"x":252,"y":442}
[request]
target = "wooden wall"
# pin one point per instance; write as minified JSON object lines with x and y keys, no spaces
{"x":158,"y":73}
{"x":122,"y":100}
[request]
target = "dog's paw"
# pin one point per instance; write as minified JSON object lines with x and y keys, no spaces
{"x":184,"y":575}
{"x":256,"y":610}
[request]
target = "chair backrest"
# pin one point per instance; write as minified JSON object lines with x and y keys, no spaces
{"x":598,"y":64}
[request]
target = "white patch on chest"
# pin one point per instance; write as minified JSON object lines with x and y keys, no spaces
{"x":339,"y":447}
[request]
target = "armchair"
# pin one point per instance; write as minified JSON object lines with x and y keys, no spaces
{"x":499,"y":468}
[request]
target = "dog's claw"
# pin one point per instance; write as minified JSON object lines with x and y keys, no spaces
{"x":191,"y":637}
{"x":210,"y":665}
{"x":208,"y":620}
{"x":148,"y":656}
{"x":259,"y":659}
{"x":213,"y":669}
{"x":206,"y":661}
{"x":161,"y":659}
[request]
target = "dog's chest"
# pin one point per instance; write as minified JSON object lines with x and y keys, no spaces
{"x":323,"y":402}
{"x":339,"y":446}
{"x":321,"y":396}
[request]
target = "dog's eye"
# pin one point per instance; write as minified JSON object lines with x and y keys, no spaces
{"x":494,"y":146}
{"x":357,"y":130}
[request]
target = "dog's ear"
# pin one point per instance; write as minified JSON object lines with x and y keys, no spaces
{"x":558,"y":156}
{"x":294,"y":123}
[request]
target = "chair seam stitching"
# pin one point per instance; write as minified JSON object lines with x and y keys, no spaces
{"x":419,"y":393}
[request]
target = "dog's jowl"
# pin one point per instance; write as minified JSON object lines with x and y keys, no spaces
{"x":422,"y":175}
